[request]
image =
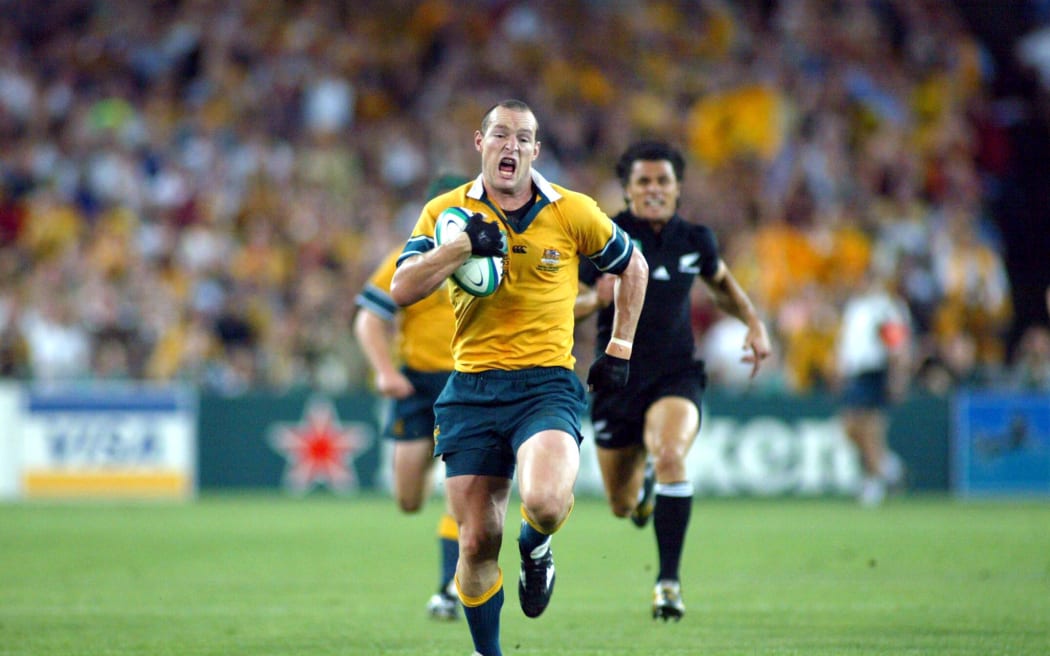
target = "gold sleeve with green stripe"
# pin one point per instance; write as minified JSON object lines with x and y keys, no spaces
{"x":424,"y":337}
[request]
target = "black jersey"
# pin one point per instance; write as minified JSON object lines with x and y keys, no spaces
{"x":676,"y":255}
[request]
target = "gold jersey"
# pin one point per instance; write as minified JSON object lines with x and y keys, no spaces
{"x":424,"y":335}
{"x":528,"y":321}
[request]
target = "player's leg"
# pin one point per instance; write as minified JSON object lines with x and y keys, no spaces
{"x":413,"y":473}
{"x":413,"y":466}
{"x":627,"y":473}
{"x":643,"y":510}
{"x":548,"y":463}
{"x":860,"y":428}
{"x":623,"y":475}
{"x":864,"y":422}
{"x":480,"y":504}
{"x":865,"y":428}
{"x":411,"y":426}
{"x":478,"y":472}
{"x":671,"y":426}
{"x":444,"y":603}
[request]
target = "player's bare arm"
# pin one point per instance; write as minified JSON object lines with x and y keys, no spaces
{"x":591,"y":299}
{"x":586,"y":302}
{"x":372,"y":333}
{"x":420,"y":275}
{"x":900,"y":367}
{"x":629,"y":297}
{"x":731,"y":298}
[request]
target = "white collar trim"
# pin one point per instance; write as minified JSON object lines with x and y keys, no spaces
{"x":478,"y":188}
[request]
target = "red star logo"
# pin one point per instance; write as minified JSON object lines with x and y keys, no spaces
{"x":319,"y":450}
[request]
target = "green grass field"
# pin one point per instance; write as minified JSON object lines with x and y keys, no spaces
{"x":267,"y":575}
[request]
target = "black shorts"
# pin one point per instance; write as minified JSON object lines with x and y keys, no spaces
{"x":868,"y":391}
{"x":619,"y":417}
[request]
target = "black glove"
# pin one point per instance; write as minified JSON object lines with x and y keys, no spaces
{"x":608,"y":373}
{"x":485,"y":238}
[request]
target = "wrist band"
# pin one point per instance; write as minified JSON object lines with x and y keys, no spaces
{"x":616,"y":341}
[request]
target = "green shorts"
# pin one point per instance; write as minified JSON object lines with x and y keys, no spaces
{"x":483,"y":418}
{"x":412,"y":418}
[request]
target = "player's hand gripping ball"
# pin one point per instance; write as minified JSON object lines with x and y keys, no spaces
{"x":482,"y":273}
{"x":608,"y":373}
{"x":486,"y":239}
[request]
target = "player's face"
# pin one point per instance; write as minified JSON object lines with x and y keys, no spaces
{"x":507,"y":149}
{"x":652,"y":190}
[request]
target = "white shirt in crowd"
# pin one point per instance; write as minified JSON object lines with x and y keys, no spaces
{"x":873,"y":322}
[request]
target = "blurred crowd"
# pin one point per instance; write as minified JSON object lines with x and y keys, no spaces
{"x":196,"y":189}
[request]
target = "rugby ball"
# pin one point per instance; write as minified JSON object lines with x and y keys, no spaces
{"x":478,"y":276}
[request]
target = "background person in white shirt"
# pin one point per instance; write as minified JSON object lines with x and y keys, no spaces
{"x":874,"y":364}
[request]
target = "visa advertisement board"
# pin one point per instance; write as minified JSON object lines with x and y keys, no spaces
{"x":102,"y":441}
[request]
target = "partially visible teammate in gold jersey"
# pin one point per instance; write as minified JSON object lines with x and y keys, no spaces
{"x":514,"y":401}
{"x":410,"y":351}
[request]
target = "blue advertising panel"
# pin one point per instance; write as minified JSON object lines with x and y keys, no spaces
{"x":1001,"y":444}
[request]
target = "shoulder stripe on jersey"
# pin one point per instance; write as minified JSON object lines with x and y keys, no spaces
{"x":377,"y":301}
{"x":613,"y":257}
{"x":416,"y":245}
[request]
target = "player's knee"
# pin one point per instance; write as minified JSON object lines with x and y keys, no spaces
{"x":546,"y":511}
{"x":545,"y":519}
{"x":409,"y":498}
{"x":669,"y":464}
{"x":479,"y":545}
{"x":410,"y":505}
{"x":620,"y":508}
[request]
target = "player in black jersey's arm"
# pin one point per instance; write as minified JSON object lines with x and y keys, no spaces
{"x":645,"y":430}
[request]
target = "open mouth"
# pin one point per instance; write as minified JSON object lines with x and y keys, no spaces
{"x":507,"y":166}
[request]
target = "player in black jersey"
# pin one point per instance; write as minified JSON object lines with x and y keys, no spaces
{"x":644,"y":431}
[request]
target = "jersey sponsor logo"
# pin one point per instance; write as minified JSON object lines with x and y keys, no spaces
{"x":518,"y":248}
{"x":319,"y":450}
{"x":660,"y":273}
{"x":550,"y":260}
{"x":689,"y":263}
